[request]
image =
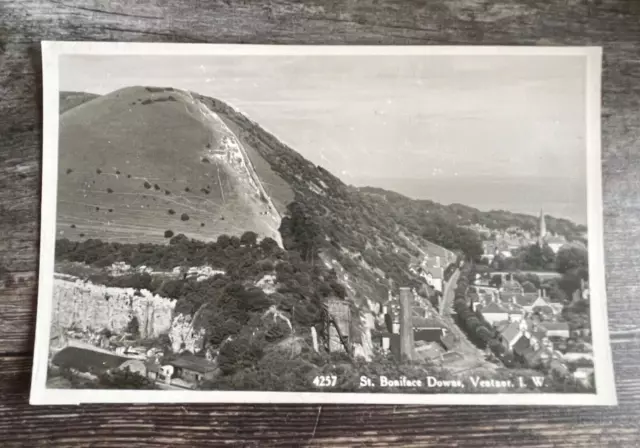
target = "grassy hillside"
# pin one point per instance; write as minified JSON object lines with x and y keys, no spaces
{"x":141,"y":162}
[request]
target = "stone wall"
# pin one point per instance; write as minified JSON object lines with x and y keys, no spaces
{"x":85,"y":305}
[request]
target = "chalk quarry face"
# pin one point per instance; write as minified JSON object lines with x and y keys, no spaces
{"x":78,"y":304}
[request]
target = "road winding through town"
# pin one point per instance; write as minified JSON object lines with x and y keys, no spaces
{"x":449,"y":294}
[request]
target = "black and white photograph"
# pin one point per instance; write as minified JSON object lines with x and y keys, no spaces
{"x":244,"y":223}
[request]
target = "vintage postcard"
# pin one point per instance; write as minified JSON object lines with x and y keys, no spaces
{"x":238,"y":223}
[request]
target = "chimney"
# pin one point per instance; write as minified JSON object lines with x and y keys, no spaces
{"x":406,"y":327}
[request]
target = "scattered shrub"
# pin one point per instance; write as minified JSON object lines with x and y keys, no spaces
{"x":109,"y":190}
{"x":69,"y":171}
{"x":184,"y":217}
{"x":168,"y":233}
{"x":171,"y":211}
{"x":147,"y":185}
{"x":98,"y":171}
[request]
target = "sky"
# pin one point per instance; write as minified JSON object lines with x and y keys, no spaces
{"x":486,"y":131}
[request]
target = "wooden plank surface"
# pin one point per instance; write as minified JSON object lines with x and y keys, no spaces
{"x":614,"y":24}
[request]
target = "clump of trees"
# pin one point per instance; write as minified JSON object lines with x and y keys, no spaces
{"x":478,"y":330}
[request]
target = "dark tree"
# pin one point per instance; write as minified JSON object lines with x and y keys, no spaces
{"x":571,"y":259}
{"x":168,"y":233}
{"x":133,"y":327}
{"x":184,"y":217}
{"x":300,"y":232}
{"x":249,"y":238}
{"x":124,"y":379}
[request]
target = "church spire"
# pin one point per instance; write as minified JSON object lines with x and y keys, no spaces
{"x":542,"y":229}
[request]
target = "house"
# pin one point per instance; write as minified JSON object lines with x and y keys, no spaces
{"x":582,"y":293}
{"x":427,"y":330}
{"x":510,"y":334}
{"x":494,"y":313}
{"x":387,"y":342}
{"x":509,"y":285}
{"x":540,"y":357}
{"x":540,"y":301}
{"x":559,"y":329}
{"x":193,"y":369}
{"x":522,"y":347}
{"x":87,"y":361}
{"x":555,"y":242}
{"x":154,"y":371}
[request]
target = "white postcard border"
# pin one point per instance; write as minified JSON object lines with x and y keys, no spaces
{"x":603,"y":366}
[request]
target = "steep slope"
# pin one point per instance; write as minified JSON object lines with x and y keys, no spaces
{"x":372,"y":249}
{"x":138,"y":162}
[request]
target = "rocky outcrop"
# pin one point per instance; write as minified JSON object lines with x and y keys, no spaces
{"x":184,"y":337}
{"x":83,"y":305}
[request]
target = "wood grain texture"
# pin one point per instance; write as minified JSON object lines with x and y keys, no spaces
{"x":614,"y":24}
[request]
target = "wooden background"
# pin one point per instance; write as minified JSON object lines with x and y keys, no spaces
{"x":614,"y":24}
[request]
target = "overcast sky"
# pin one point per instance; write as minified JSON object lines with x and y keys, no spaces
{"x":369,"y":118}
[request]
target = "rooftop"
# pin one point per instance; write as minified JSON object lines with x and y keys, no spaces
{"x":511,"y":331}
{"x":550,"y":326}
{"x":86,"y":360}
{"x":521,"y":345}
{"x":193,"y":363}
{"x":421,"y":322}
{"x":493,"y":308}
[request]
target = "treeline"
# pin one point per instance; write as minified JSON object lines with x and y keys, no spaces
{"x":473,"y":323}
{"x":227,"y":252}
{"x":464,"y":215}
{"x":427,"y":222}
